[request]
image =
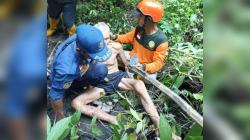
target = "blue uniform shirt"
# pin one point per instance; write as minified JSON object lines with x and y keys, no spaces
{"x":65,"y":68}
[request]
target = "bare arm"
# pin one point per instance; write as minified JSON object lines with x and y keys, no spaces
{"x":122,"y":56}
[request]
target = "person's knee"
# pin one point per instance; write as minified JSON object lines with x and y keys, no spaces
{"x":101,"y":91}
{"x":76,"y":104}
{"x":91,"y":111}
{"x":138,"y":84}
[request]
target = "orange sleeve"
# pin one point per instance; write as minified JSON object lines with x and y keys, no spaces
{"x":158,"y":59}
{"x":126,"y":38}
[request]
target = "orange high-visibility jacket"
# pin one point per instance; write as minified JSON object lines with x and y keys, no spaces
{"x":151,"y":50}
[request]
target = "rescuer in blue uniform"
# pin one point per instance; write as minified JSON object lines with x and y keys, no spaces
{"x":75,"y":64}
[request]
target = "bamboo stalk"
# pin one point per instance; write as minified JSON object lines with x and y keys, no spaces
{"x":175,"y":97}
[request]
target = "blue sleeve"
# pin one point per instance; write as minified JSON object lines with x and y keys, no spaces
{"x":57,"y":86}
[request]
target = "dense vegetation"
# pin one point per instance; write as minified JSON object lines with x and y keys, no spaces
{"x":183,"y":72}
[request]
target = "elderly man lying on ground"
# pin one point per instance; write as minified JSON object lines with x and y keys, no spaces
{"x":116,"y":80}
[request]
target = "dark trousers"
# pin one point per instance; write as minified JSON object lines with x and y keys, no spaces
{"x":66,"y":7}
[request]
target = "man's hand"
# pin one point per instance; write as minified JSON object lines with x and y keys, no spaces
{"x":58,"y":109}
{"x":113,"y":37}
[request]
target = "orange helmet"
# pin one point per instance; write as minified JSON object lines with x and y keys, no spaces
{"x":152,"y":8}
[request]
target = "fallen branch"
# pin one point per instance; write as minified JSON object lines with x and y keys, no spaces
{"x":176,"y":98}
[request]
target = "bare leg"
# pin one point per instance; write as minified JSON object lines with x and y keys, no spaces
{"x":58,"y":109}
{"x":139,"y":87}
{"x":92,"y":94}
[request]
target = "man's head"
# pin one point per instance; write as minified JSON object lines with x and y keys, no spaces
{"x":149,"y":11}
{"x":90,"y":41}
{"x":104,"y":28}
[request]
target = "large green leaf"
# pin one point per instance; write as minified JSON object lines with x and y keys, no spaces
{"x":48,"y":125}
{"x":59,"y":129}
{"x":165,"y":129}
{"x":64,"y":135}
{"x":76,"y":118}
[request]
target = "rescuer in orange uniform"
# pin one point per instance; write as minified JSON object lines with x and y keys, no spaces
{"x":150,"y":44}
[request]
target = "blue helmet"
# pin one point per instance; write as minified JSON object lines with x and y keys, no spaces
{"x":91,"y":40}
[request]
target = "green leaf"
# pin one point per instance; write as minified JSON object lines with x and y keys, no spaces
{"x":179,"y":80}
{"x":195,"y":131}
{"x":139,"y":127}
{"x":73,"y":133}
{"x":115,"y":129}
{"x":125,"y":137}
{"x":119,"y":120}
{"x":59,"y":129}
{"x":116,"y":137}
{"x":193,"y":18}
{"x":132,"y":136}
{"x":94,"y":129}
{"x":64,"y":135}
{"x":93,"y":121}
{"x":74,"y":138}
{"x":165,"y":129}
{"x":135,"y":114}
{"x":195,"y":137}
{"x":124,"y":98}
{"x":48,"y":125}
{"x":198,"y":96}
{"x":76,"y":118}
{"x":97,"y":131}
{"x":177,"y":130}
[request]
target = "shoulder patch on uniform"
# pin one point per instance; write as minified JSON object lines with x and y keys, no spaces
{"x":66,"y":85}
